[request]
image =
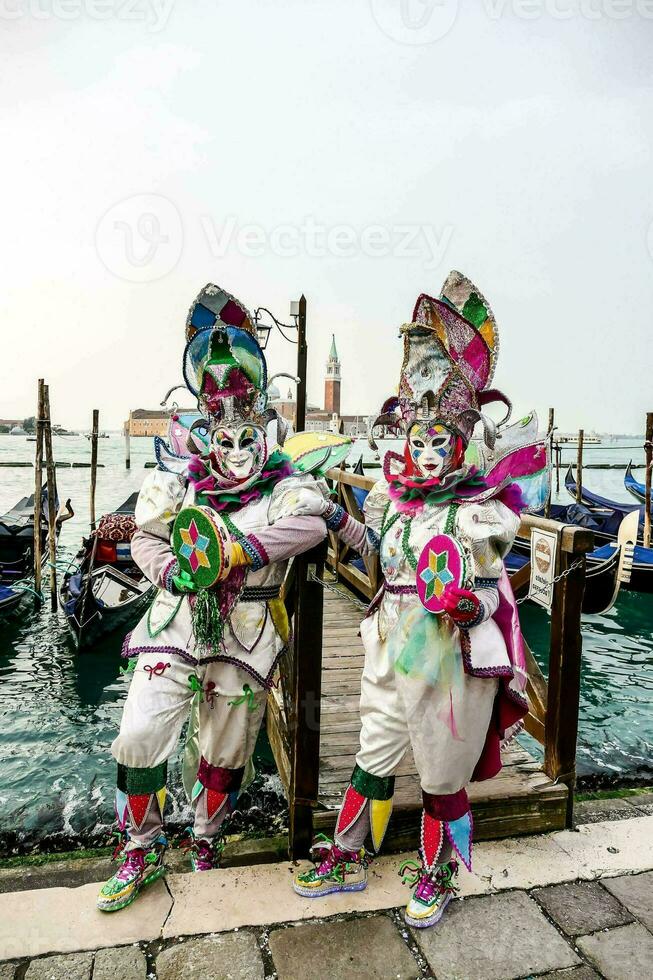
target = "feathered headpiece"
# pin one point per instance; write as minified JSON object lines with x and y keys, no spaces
{"x":450,"y":353}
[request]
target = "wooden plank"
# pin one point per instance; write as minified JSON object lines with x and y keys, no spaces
{"x":304,"y":723}
{"x":561,"y":724}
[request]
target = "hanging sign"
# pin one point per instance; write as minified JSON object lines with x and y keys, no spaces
{"x":543,"y":566}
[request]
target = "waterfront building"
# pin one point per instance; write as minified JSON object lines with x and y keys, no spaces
{"x":327,"y":419}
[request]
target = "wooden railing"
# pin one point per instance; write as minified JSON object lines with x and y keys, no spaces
{"x":553,"y":714}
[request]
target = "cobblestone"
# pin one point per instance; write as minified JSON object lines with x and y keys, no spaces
{"x":582,"y":907}
{"x":497,"y":937}
{"x":636,"y":893}
{"x":370,"y":947}
{"x":233,"y":956}
{"x":122,"y":963}
{"x":620,"y":954}
{"x":75,"y":966}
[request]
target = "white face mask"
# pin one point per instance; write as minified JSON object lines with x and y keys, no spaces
{"x":431,"y":446}
{"x":238,"y":452}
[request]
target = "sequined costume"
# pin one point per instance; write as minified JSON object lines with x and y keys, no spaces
{"x":237,"y":469}
{"x":448,"y":686}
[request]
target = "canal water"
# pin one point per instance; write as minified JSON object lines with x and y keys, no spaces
{"x":59,"y":711}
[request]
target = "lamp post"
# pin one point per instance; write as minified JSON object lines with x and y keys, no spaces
{"x":263,"y":331}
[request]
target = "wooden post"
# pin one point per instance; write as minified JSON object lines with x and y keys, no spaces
{"x":648,"y":456}
{"x":304,"y":721}
{"x":547,"y":506}
{"x":579,"y":467}
{"x":38,"y":489}
{"x":558,"y":455}
{"x":94,"y":438}
{"x":561,"y":723}
{"x":52,"y":498}
{"x":302,"y":355}
{"x":128,"y":461}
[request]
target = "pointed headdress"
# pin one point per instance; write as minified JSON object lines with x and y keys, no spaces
{"x":450,"y":354}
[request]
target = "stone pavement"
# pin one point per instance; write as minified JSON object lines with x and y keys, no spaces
{"x":573,"y":905}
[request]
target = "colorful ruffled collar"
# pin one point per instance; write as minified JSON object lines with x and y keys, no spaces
{"x":277,"y":467}
{"x":412,"y":493}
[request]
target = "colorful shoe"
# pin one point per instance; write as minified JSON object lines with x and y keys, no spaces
{"x":434,"y":891}
{"x":204,"y":854}
{"x":139,"y":868}
{"x":337,"y":871}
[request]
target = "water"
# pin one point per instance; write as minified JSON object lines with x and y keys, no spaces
{"x":59,"y":711}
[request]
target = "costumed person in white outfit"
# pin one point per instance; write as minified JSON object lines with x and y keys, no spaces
{"x":444,"y":662}
{"x":228,"y":515}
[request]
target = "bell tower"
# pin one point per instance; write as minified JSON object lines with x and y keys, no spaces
{"x":332,"y":381}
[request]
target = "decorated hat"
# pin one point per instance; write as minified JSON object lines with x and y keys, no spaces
{"x":224,"y":365}
{"x":450,"y":353}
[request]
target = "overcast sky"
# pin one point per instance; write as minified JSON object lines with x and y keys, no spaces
{"x":355,"y":150}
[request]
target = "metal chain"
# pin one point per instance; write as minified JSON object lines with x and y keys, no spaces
{"x":339,"y":592}
{"x":574,"y":565}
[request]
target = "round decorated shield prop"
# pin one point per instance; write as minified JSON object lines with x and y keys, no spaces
{"x":441,"y":563}
{"x":201,"y":543}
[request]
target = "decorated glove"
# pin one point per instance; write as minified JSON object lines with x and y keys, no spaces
{"x":461,"y":604}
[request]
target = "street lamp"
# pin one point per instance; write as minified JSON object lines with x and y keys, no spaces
{"x":263,"y":331}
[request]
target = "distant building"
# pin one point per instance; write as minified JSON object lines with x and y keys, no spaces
{"x":150,"y":421}
{"x":332,"y":381}
{"x":327,"y":419}
{"x":11,"y":423}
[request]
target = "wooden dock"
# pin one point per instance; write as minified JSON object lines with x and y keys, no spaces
{"x":520,"y":800}
{"x":313,"y":715}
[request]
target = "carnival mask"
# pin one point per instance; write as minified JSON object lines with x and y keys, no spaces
{"x":431,"y":446}
{"x":238,"y":452}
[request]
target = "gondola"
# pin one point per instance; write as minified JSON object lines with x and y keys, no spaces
{"x":17,"y":549}
{"x":17,"y":552}
{"x":104,"y":590}
{"x":360,"y":495}
{"x":603,"y":517}
{"x":594,"y":500}
{"x":633,"y":486}
{"x":607,"y":568}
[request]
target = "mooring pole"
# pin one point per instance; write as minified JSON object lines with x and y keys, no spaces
{"x":302,"y":351}
{"x":648,"y":456}
{"x":579,"y":467}
{"x":128,"y":461}
{"x":38,"y":490}
{"x":547,"y":506}
{"x":52,"y":499}
{"x":94,"y":438}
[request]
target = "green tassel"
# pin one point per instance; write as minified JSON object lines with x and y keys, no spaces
{"x":207,"y":621}
{"x":131,"y":666}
